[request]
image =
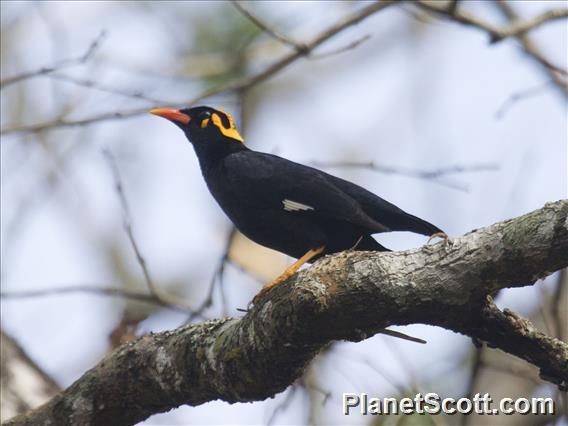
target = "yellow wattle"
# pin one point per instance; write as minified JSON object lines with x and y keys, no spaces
{"x":231,"y":132}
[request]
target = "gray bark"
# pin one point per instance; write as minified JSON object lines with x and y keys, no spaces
{"x":347,"y":296}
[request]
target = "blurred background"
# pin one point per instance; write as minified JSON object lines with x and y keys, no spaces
{"x":417,"y":108}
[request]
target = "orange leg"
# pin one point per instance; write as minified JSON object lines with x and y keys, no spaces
{"x":292,"y":269}
{"x":442,"y":235}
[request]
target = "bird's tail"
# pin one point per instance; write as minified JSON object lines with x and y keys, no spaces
{"x":415,"y":224}
{"x":368,"y":243}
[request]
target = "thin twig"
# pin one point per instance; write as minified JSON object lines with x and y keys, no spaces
{"x":127,"y":224}
{"x":102,"y":291}
{"x":127,"y":220}
{"x":475,"y":370}
{"x":350,"y":46}
{"x":95,"y":44}
{"x":286,"y":401}
{"x":432,"y":175}
{"x":533,"y":51}
{"x":299,"y":47}
{"x":370,"y":363}
{"x":91,"y":84}
{"x":312,"y":386}
{"x":240,"y":84}
{"x":515,"y":29}
{"x":218,"y":276}
{"x":526,"y":372}
{"x":519,"y":96}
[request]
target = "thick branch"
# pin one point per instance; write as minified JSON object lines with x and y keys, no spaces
{"x":360,"y":293}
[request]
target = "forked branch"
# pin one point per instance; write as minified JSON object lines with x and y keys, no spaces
{"x":254,"y":357}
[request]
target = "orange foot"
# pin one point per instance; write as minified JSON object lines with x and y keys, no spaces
{"x":288,"y":273}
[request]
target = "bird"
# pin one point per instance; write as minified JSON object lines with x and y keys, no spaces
{"x":295,"y":209}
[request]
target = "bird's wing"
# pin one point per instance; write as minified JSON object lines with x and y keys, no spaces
{"x":267,"y":181}
{"x":381,"y":210}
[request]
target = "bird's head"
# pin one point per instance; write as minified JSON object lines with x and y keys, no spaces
{"x":202,"y":124}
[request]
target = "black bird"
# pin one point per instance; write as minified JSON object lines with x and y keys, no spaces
{"x":286,"y":206}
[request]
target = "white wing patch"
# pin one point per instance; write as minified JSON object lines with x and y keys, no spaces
{"x":294,"y":206}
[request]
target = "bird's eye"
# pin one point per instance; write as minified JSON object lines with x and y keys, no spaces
{"x":204,"y":118}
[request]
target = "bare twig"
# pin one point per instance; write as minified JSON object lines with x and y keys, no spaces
{"x":519,"y":96}
{"x":95,"y":44}
{"x":517,"y":27}
{"x":312,"y":386}
{"x":93,"y":289}
{"x":240,"y":84}
{"x":553,"y":71}
{"x":299,"y":47}
{"x":91,"y":84}
{"x":283,"y":405}
{"x":370,"y":363}
{"x":475,"y":369}
{"x":514,"y":29}
{"x":524,"y":371}
{"x":127,"y":220}
{"x":127,"y":224}
{"x":308,"y":383}
{"x":433,"y":175}
{"x":354,"y":44}
{"x":218,"y":276}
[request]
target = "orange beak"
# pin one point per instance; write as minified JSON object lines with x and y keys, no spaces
{"x":172,"y":115}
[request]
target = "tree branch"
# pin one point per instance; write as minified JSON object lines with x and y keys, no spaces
{"x":127,"y":221}
{"x":517,"y":28}
{"x":514,"y":29}
{"x":519,"y":96}
{"x":98,"y":290}
{"x":261,"y":354}
{"x":557,"y":74}
{"x":95,"y":44}
{"x":244,"y":83}
{"x":430,"y":175}
{"x":127,"y":225}
{"x":268,"y":29}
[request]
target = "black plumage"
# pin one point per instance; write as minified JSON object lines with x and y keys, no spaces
{"x":280,"y":204}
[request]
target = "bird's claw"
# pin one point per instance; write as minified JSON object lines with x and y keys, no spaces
{"x":442,"y":235}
